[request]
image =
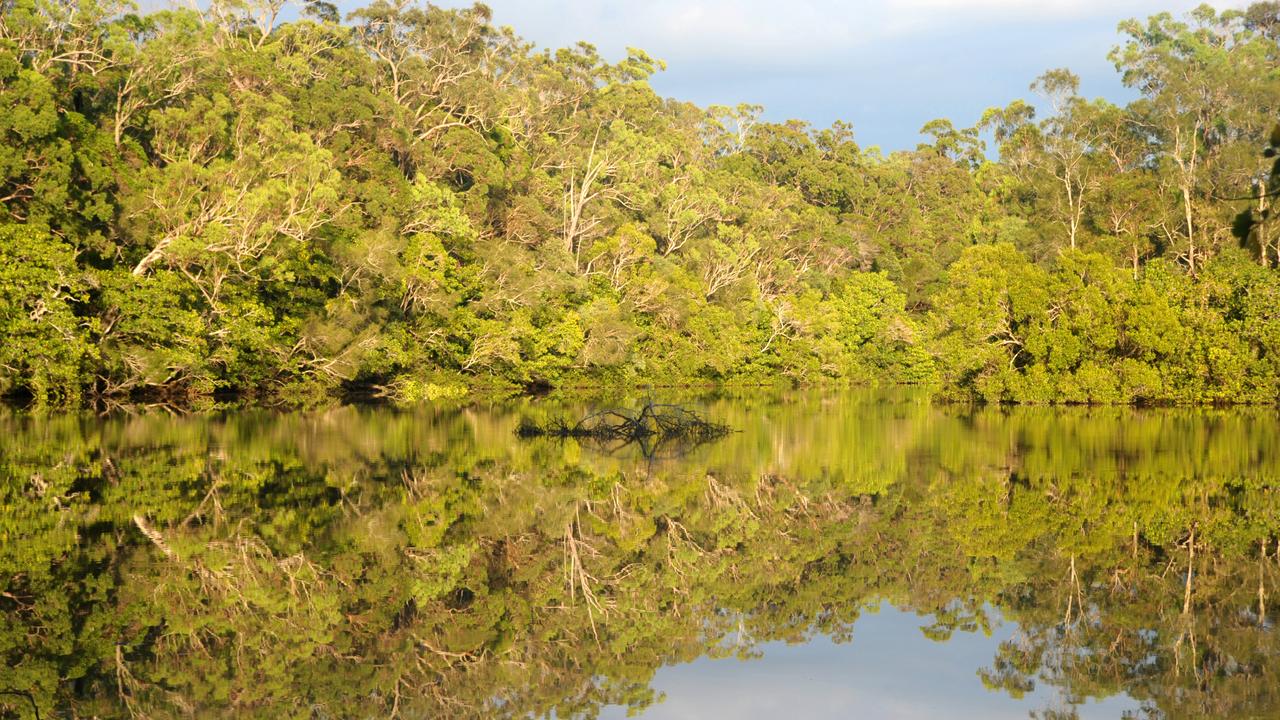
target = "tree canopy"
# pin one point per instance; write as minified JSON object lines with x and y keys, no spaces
{"x":206,"y":201}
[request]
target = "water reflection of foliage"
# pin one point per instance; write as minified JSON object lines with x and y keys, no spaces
{"x":368,"y":562}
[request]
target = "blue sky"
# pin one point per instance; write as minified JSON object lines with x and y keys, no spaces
{"x":887,"y":67}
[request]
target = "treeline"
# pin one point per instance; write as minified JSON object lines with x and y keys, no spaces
{"x":414,"y":200}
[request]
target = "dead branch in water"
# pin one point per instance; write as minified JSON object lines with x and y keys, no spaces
{"x":654,"y":422}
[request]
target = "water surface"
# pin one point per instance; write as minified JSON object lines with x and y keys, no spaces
{"x":862,"y":553}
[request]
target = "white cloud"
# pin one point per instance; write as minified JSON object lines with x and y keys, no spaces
{"x":765,"y":32}
{"x":742,"y":30}
{"x":886,"y":65}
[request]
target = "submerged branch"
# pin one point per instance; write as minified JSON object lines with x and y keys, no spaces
{"x":652,"y":422}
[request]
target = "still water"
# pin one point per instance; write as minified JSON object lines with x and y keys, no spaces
{"x":843,"y":554}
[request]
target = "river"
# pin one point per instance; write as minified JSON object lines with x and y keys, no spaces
{"x":862,"y":553}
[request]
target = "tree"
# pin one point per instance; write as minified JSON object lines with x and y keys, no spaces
{"x":1191,"y":75}
{"x":47,"y":347}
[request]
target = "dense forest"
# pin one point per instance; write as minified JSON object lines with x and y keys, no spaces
{"x":247,"y":199}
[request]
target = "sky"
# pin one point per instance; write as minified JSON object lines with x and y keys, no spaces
{"x":886,"y":66}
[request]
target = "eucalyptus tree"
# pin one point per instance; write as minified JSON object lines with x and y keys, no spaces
{"x":1198,"y":80}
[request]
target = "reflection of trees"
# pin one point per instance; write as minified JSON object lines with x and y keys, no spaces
{"x":362,"y":562}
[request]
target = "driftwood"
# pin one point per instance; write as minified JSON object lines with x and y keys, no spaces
{"x":653,"y":423}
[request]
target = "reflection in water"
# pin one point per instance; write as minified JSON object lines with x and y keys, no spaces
{"x":367,"y":562}
{"x":877,"y":675}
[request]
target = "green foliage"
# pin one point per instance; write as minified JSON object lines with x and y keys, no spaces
{"x":47,"y":348}
{"x":1086,"y":331}
{"x":416,"y":202}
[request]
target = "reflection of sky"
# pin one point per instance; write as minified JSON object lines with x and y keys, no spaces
{"x":889,"y":670}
